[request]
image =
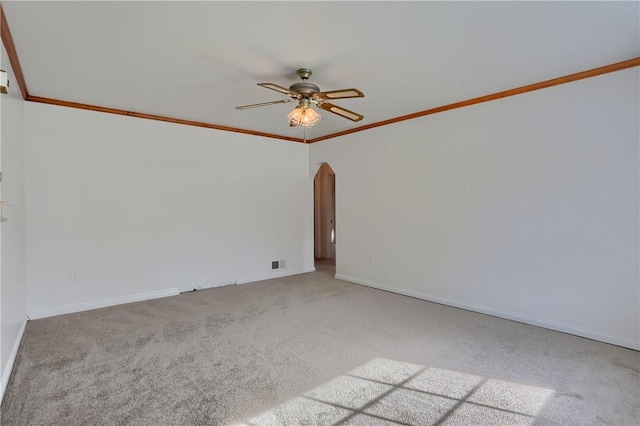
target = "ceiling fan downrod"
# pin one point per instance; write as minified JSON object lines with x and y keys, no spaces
{"x":304,"y":73}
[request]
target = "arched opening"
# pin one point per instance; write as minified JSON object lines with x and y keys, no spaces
{"x":324,"y":220}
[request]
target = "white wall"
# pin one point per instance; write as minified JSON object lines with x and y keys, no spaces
{"x":525,"y":207}
{"x":13,"y":314}
{"x":138,"y":208}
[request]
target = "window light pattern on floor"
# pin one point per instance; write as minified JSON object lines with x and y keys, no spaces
{"x":387,"y":392}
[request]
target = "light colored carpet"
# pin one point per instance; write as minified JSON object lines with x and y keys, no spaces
{"x":309,"y":349}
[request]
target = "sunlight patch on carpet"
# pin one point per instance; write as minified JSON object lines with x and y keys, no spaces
{"x":388,"y":392}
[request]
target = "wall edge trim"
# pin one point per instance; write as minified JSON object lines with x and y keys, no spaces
{"x":269,"y":276}
{"x":8,"y":369}
{"x":512,"y":316}
{"x":101,"y":303}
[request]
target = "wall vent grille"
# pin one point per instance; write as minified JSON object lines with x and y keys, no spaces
{"x":278,"y":264}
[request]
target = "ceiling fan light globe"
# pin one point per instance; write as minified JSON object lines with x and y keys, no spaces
{"x":309,"y":117}
{"x":295,"y":115}
{"x":303,"y":116}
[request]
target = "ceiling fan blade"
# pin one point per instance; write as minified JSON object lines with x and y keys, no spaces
{"x":353,"y":116}
{"x":280,"y":89}
{"x":283,"y":101}
{"x":339,"y":94}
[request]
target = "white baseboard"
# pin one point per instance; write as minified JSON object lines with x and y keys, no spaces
{"x":577,"y":331}
{"x":8,"y":368}
{"x":103,"y":303}
{"x":274,"y":274}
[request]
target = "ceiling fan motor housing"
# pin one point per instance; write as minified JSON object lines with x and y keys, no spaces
{"x":304,"y":88}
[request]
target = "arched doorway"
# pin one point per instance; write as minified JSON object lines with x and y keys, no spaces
{"x":324,"y":220}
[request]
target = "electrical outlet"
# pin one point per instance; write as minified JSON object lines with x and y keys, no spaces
{"x":73,"y":277}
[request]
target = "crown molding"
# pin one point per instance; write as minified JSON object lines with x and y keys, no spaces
{"x":618,"y":66}
{"x":97,"y":108}
{"x":7,"y":39}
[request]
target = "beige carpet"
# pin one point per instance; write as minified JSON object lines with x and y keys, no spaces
{"x":312,"y":350}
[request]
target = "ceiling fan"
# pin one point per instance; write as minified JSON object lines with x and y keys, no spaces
{"x":306,"y":94}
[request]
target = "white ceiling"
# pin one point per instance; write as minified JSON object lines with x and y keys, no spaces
{"x":198,"y":60}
